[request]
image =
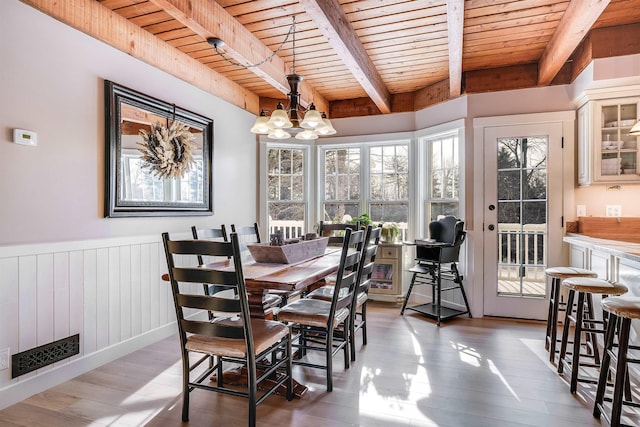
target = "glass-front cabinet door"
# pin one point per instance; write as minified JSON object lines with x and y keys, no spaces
{"x":615,"y":152}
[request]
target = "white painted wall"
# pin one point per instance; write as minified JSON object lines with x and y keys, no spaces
{"x":64,"y":268}
{"x":52,"y":83}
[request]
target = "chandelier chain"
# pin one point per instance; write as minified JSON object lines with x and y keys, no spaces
{"x":291,"y":30}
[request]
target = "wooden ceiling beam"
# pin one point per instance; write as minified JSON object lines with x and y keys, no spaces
{"x":209,"y":19}
{"x":100,"y":22}
{"x":455,"y":25}
{"x":335,"y":26}
{"x":576,"y":22}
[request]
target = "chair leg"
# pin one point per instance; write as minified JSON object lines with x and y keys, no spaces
{"x":406,"y":298}
{"x":458,"y":280}
{"x":253,"y":393}
{"x":329,"y":360}
{"x":185,"y":386}
{"x":352,"y":336}
{"x":363,"y":320}
{"x":347,"y":339}
{"x":289,"y":368}
{"x":439,"y":297}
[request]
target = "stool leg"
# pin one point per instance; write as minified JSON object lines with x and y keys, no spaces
{"x":621,"y":371}
{"x":406,"y":298}
{"x":552,"y":307}
{"x":593,"y":340}
{"x":575,"y":364}
{"x":553,"y":333}
{"x":606,"y":362}
{"x":565,"y":334}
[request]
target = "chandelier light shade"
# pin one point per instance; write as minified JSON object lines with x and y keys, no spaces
{"x":635,"y":130}
{"x":306,"y":124}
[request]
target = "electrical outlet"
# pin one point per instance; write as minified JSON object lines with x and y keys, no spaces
{"x":5,"y":356}
{"x":614,"y":210}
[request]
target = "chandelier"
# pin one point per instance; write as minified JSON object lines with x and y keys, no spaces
{"x":307,"y":124}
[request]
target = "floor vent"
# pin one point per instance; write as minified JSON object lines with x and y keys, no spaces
{"x":39,"y":357}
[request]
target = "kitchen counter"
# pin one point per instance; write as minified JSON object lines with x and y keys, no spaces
{"x":626,"y":250}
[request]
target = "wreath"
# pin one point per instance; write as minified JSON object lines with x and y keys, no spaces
{"x":167,"y":150}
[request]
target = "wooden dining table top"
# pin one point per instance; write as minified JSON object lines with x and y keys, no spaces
{"x":286,"y":277}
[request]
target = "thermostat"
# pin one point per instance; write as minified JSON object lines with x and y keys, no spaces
{"x":25,"y":137}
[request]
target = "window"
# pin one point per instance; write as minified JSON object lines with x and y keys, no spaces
{"x":389,"y":184}
{"x":286,"y":196}
{"x":443,"y":176}
{"x":341,"y":184}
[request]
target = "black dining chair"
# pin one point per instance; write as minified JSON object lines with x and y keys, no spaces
{"x":335,"y":231}
{"x":317,"y":321}
{"x":272,"y":301}
{"x":247,"y":234}
{"x":361,"y":294}
{"x":262,"y":346}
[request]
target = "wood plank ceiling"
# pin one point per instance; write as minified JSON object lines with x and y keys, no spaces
{"x":361,"y":57}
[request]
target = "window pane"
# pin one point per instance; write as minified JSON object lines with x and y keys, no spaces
{"x":354,"y":187}
{"x":285,"y":161}
{"x":298,"y":188}
{"x":389,"y":212}
{"x":274,"y":187}
{"x":375,"y":159}
{"x":509,"y":185}
{"x":442,"y":208}
{"x":273,"y":160}
{"x":336,"y":211}
{"x":297,"y":162}
{"x":443,"y":178}
{"x":376,"y":187}
{"x":535,"y":186}
{"x":330,"y":188}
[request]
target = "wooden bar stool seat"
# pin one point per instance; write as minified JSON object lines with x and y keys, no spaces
{"x":556,"y":306}
{"x":581,"y":314}
{"x":622,"y":310}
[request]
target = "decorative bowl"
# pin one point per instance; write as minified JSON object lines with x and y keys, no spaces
{"x":288,"y":254}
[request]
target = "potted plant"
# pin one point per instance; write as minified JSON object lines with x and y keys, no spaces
{"x":362,"y":220}
{"x":390,"y":232}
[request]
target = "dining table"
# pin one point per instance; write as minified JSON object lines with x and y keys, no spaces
{"x":261,"y":277}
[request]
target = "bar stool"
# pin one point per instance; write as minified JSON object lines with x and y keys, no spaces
{"x":584,"y":322}
{"x":621,"y":311}
{"x":557,"y":274}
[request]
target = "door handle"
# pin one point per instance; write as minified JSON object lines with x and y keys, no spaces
{"x":491,"y":227}
{"x":492,"y":207}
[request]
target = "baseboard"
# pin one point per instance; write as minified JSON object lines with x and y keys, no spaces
{"x":23,"y":389}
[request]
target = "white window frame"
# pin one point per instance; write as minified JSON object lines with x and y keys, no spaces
{"x":309,"y":182}
{"x":365,"y":188}
{"x":422,"y":161}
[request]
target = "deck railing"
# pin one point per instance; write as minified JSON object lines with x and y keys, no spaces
{"x":522,"y":247}
{"x":291,"y":229}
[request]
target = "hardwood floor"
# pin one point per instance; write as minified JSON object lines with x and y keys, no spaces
{"x":468,"y":372}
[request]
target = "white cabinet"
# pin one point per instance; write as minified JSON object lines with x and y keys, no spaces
{"x":606,"y":151}
{"x":388,"y":273}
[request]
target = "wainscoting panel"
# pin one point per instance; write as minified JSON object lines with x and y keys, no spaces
{"x":109,"y":291}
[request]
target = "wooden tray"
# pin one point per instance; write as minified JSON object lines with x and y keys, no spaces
{"x":288,"y":254}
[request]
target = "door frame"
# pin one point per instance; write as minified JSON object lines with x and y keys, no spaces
{"x":567,"y":119}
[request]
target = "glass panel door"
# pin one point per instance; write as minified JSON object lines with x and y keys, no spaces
{"x":518,"y":221}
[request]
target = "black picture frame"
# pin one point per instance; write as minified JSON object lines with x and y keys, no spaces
{"x":128,"y":109}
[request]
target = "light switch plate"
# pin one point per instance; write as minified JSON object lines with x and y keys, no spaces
{"x":614,"y":210}
{"x":581,"y":210}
